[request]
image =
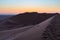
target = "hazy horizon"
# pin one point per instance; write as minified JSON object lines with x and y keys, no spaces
{"x":17,"y":6}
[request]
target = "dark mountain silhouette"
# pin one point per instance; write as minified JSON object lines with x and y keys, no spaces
{"x":24,"y":19}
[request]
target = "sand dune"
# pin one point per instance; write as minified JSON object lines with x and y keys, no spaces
{"x":32,"y":32}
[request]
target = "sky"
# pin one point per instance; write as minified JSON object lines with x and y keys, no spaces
{"x":17,"y":6}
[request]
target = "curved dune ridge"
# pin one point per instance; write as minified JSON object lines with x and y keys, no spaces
{"x":28,"y":26}
{"x":32,"y":32}
{"x":24,"y":19}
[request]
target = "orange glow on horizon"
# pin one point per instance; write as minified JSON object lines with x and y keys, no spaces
{"x":27,"y":9}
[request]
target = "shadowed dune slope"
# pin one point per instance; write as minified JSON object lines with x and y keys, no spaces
{"x":52,"y":31}
{"x":32,"y":32}
{"x":24,"y":19}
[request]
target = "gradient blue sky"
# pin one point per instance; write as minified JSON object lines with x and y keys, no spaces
{"x":14,"y":6}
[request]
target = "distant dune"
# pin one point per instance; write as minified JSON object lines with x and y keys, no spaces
{"x":4,"y":17}
{"x":24,"y":19}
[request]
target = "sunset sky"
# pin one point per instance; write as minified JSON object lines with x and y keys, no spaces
{"x":16,"y":6}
